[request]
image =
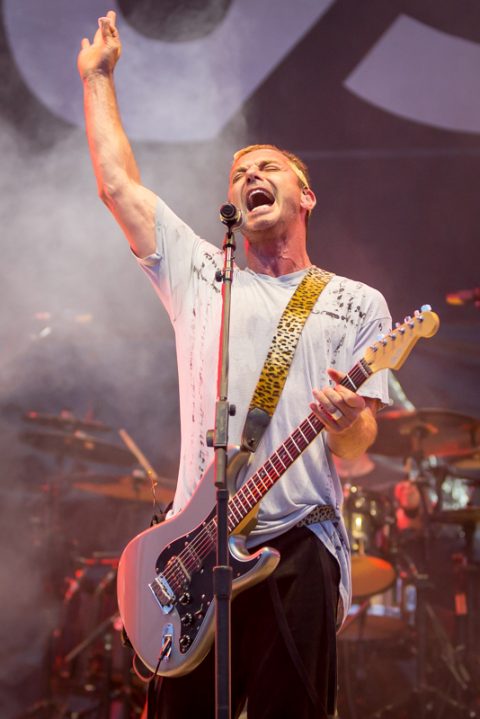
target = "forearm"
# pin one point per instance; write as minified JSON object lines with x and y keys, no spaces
{"x":356,"y":439}
{"x":112,"y":157}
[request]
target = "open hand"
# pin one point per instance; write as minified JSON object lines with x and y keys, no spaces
{"x":102,"y":54}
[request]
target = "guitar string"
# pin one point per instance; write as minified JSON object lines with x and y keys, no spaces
{"x":298,"y":441}
{"x":204,"y":542}
{"x":201,"y":545}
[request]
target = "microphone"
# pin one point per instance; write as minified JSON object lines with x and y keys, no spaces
{"x":231,"y":215}
{"x":464,"y":297}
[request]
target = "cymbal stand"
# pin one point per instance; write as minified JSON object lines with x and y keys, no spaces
{"x":466,"y":573}
{"x":425,"y":699}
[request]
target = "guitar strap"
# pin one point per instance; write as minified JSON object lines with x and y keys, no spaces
{"x":280,"y":355}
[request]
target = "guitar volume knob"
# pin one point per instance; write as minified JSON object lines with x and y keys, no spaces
{"x":184,"y":642}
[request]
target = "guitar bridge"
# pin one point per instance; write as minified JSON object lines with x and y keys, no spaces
{"x":163,"y":593}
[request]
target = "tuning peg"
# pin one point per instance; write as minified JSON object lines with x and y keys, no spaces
{"x":426,"y":308}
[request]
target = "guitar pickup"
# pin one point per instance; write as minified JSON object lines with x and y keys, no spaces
{"x":163,"y":593}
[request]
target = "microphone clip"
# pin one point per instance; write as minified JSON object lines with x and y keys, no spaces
{"x":230,"y":216}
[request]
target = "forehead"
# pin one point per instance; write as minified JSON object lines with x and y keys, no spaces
{"x":256,"y":156}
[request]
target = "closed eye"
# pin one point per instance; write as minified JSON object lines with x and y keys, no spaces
{"x":262,"y":166}
{"x":238,"y":175}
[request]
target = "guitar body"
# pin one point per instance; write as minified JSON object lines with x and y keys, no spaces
{"x":187,"y":618}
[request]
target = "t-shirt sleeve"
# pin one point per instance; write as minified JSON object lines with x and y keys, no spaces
{"x":170,"y":267}
{"x":377,"y":322}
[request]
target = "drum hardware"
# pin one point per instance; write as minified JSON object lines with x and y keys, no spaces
{"x":467,"y":517}
{"x":79,"y":445}
{"x":132,"y":487}
{"x":376,"y":619}
{"x":90,"y":674}
{"x":458,"y":659}
{"x":67,"y":443}
{"x":368,"y":518}
{"x":436,"y":444}
{"x":441,"y":684}
{"x":435,"y":656}
{"x":425,"y":432}
{"x":151,"y":474}
{"x":92,"y":678}
{"x":466,"y":579}
{"x":65,"y":421}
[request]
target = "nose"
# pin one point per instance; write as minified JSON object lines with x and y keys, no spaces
{"x":252,"y":173}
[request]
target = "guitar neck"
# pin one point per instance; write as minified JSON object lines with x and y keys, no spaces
{"x":253,"y":491}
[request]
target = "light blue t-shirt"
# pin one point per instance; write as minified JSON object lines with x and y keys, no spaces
{"x":347,"y":317}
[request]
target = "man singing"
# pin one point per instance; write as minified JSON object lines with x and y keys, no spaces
{"x":284,"y":628}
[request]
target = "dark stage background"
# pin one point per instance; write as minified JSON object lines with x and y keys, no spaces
{"x":382,"y":101}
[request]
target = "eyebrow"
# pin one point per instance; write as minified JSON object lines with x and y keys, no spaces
{"x":259,"y":164}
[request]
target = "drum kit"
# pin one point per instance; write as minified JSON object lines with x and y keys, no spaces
{"x":409,"y":646}
{"x":89,"y":669}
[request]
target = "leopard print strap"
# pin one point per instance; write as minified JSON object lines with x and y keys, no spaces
{"x":322,"y":513}
{"x":280,"y":355}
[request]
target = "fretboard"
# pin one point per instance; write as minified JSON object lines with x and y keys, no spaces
{"x":250,"y":494}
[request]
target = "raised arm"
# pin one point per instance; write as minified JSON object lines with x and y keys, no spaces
{"x":118,"y":178}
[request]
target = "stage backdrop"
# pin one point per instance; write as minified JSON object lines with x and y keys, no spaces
{"x":380,"y":99}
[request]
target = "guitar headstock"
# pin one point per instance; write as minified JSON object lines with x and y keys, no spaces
{"x":391,"y":350}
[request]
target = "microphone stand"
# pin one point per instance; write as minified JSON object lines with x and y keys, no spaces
{"x":218,"y":439}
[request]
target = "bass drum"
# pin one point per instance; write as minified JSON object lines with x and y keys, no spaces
{"x":369,"y":518}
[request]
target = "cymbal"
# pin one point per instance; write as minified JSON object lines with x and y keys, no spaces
{"x":370,"y":575}
{"x":65,"y":421}
{"x":353,"y":468}
{"x":130,"y":487}
{"x":470,"y":462}
{"x":80,"y":446}
{"x":464,"y":515}
{"x":438,"y":432}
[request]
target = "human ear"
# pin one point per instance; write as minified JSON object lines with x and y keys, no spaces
{"x":308,"y":199}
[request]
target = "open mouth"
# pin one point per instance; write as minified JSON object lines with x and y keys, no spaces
{"x":258,"y":198}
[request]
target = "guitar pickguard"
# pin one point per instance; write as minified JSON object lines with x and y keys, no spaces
{"x":193,"y":591}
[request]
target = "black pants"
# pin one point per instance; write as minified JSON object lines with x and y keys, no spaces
{"x":283,"y":643}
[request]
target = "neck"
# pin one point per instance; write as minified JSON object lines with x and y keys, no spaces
{"x":276,"y":255}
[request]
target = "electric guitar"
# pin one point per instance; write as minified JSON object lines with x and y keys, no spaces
{"x":165,"y":580}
